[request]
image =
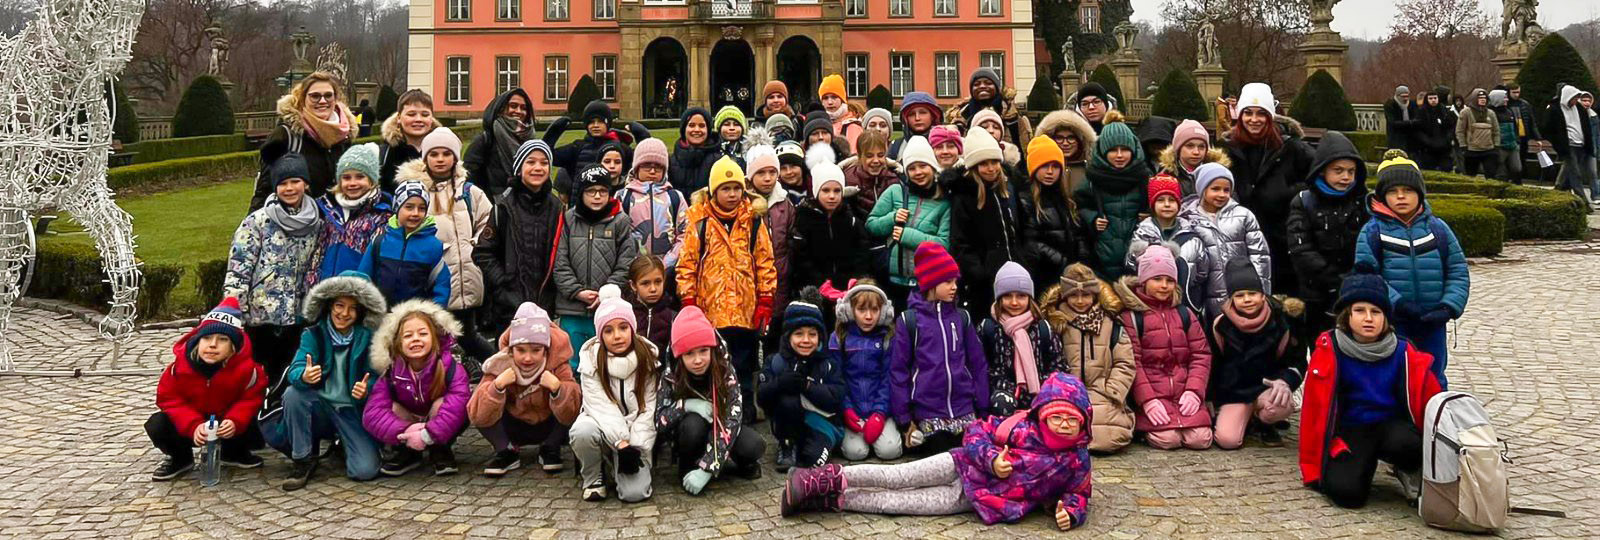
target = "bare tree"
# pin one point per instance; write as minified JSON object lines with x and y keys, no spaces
{"x":170,"y":48}
{"x":1258,"y":38}
{"x":1431,"y":43}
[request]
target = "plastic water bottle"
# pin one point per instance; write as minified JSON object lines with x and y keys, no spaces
{"x":211,"y":458}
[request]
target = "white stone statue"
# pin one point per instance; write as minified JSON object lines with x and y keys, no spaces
{"x":55,"y":139}
{"x":1067,"y":60}
{"x":1127,"y":35}
{"x":1207,"y":52}
{"x":1519,"y":24}
{"x":219,"y":50}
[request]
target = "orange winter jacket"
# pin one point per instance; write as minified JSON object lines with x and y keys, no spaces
{"x":720,"y":270}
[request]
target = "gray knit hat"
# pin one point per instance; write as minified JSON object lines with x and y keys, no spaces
{"x":362,"y":158}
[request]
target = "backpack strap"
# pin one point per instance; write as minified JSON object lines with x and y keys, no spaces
{"x":1308,"y":200}
{"x":1437,"y":228}
{"x":910,"y":319}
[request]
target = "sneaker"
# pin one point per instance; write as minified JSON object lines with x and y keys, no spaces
{"x":751,"y":471}
{"x":171,"y":468}
{"x":785,"y":458}
{"x":1410,"y":484}
{"x":245,"y":460}
{"x":444,"y":461}
{"x":595,"y":492}
{"x":503,"y":462}
{"x":813,"y":490}
{"x":550,"y":458}
{"x":403,"y":461}
{"x":300,"y":472}
{"x":1270,"y":437}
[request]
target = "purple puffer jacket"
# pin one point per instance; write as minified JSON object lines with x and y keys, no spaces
{"x":1040,"y":476}
{"x":408,"y":389}
{"x":944,"y":374}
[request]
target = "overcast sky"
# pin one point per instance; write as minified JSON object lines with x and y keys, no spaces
{"x":1370,"y":19}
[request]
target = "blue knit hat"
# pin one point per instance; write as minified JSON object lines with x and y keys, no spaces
{"x":226,"y":319}
{"x":407,"y":190}
{"x":290,"y":165}
{"x":1364,"y":287}
{"x":802,"y":314}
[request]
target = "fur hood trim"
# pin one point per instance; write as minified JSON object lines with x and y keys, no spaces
{"x":1293,"y":307}
{"x":1068,"y":119}
{"x":1058,"y":314}
{"x":289,"y":114}
{"x":360,"y":288}
{"x":1125,"y":286}
{"x":392,"y":133}
{"x":416,"y":170}
{"x":447,"y":323}
{"x":1214,"y":154}
{"x":1286,"y":125}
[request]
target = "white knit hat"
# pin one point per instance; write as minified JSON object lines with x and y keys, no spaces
{"x":917,"y":150}
{"x":1256,"y":95}
{"x":980,"y":146}
{"x":822,"y":173}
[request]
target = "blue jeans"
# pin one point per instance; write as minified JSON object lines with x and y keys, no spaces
{"x":1431,"y":339}
{"x":310,"y":419}
{"x":580,"y":329}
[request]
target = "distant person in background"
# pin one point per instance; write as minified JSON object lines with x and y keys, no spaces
{"x":1402,"y":118}
{"x":364,"y":117}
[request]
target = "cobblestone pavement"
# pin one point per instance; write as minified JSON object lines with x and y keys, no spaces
{"x":76,"y":462}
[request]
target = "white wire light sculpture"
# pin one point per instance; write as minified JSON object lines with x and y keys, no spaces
{"x":55,"y":140}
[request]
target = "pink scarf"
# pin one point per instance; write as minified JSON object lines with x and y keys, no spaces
{"x":1027,"y":370}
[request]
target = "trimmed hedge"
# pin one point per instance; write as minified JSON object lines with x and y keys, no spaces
{"x":208,"y":282}
{"x":165,"y":149}
{"x":583,"y":92}
{"x":1043,"y":96}
{"x":1322,"y":104}
{"x":203,"y":110}
{"x":879,"y":98}
{"x":388,"y":101}
{"x":72,"y":272}
{"x":126,"y":126}
{"x":1529,"y":213}
{"x":175,"y":170}
{"x":1178,"y":98}
{"x":1367,"y":144}
{"x":1108,"y":79}
{"x":1481,"y":231}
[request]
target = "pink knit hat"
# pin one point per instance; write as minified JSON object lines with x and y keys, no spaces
{"x":1187,"y":131}
{"x":1157,"y":261}
{"x":650,"y":151}
{"x":933,"y":265}
{"x":612,"y":308}
{"x":531,"y":325}
{"x":760,"y":157}
{"x":943,"y":134}
{"x":692,"y":330}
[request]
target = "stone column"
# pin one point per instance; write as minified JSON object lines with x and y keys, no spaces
{"x":699,"y":70}
{"x":630,"y":74}
{"x":1209,"y":80}
{"x":1509,"y":60}
{"x":1070,"y":81}
{"x":1126,"y":66}
{"x":1324,"y":51}
{"x":766,"y":62}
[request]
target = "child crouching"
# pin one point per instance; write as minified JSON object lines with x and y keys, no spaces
{"x":617,"y":426}
{"x":212,"y":377}
{"x":862,"y":344}
{"x":701,"y":408}
{"x":420,"y":401}
{"x":1170,"y":351}
{"x":527,"y":395}
{"x":802,"y":391}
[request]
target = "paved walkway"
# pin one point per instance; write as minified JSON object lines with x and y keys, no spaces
{"x":76,"y":462}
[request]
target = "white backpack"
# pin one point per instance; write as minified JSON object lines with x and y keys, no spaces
{"x":1464,"y":477}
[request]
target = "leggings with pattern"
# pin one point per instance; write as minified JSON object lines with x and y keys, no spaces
{"x":930,"y":486}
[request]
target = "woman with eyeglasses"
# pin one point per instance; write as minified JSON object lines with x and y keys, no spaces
{"x":1073,"y":135}
{"x":314,"y":122}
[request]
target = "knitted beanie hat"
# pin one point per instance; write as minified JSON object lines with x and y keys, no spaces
{"x":1240,"y":275}
{"x":945,"y":134}
{"x":692,"y":330}
{"x":1011,"y":278}
{"x":723,"y":171}
{"x":441,"y":137}
{"x":1362,"y":286}
{"x":774,"y":87}
{"x":290,"y":165}
{"x":1113,"y":135}
{"x":1256,"y":95}
{"x":1164,"y":184}
{"x":933,"y":266}
{"x":1208,"y":173}
{"x":591,"y":176}
{"x":596,"y":110}
{"x":777,"y":121}
{"x":814,"y":125}
{"x":728,"y":112}
{"x":760,"y":157}
{"x":226,"y":319}
{"x":407,"y":190}
{"x":824,"y":173}
{"x":917,"y":150}
{"x":651,"y":151}
{"x":880,"y":113}
{"x":832,"y":84}
{"x":531,"y":325}
{"x":361,"y":158}
{"x":1400,"y":172}
{"x":800,"y":315}
{"x":1043,"y":150}
{"x":980,"y":146}
{"x":986,"y":73}
{"x":527,"y":149}
{"x":612,"y":308}
{"x":1190,"y":130}
{"x":1157,"y":261}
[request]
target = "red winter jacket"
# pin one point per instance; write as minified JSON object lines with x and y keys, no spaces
{"x":1319,"y":411}
{"x":1170,"y":358}
{"x":234,"y":393}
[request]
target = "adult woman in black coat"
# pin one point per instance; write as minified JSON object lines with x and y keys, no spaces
{"x":1270,"y":166}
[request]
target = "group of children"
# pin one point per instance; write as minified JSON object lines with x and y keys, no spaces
{"x":1000,"y":320}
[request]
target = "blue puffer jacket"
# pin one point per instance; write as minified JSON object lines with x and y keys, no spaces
{"x":1408,"y":256}
{"x":407,"y":266}
{"x":866,"y":369}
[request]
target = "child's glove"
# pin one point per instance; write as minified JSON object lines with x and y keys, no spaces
{"x":629,"y":460}
{"x":852,"y":421}
{"x":695,"y":481}
{"x":792,"y":381}
{"x":1438,"y":315}
{"x":830,"y":292}
{"x":1156,"y":413}
{"x":914,"y":436}
{"x":763,"y":313}
{"x":873,"y":428}
{"x":698,"y":406}
{"x":1408,"y":311}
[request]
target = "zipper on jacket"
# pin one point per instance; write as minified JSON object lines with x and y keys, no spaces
{"x":949,"y":384}
{"x":1004,"y":234}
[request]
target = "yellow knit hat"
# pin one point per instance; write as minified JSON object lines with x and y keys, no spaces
{"x":832,"y":84}
{"x":723,"y":171}
{"x":1042,"y":150}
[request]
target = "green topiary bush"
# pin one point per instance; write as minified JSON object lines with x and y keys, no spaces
{"x":1108,"y":79}
{"x":203,"y":110}
{"x":72,"y":272}
{"x":1481,"y":231}
{"x":126,"y":126}
{"x":388,"y":102}
{"x":1043,"y":97}
{"x":582,"y":93}
{"x":879,"y":98}
{"x":1553,"y":60}
{"x":1179,"y":98}
{"x":1367,"y":144}
{"x":165,"y":149}
{"x":1322,"y":104}
{"x":208,"y":283}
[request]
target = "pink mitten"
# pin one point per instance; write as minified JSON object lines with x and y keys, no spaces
{"x":413,"y":437}
{"x":830,"y":292}
{"x":1156,"y":412}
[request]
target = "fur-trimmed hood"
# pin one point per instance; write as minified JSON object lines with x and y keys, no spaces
{"x":381,"y":358}
{"x":1058,"y":316}
{"x":416,"y":170}
{"x":1125,"y":287}
{"x":1068,"y":119}
{"x":352,"y":284}
{"x":1286,"y":125}
{"x":392,"y":133}
{"x":1214,"y":154}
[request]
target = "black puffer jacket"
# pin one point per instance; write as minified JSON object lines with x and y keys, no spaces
{"x":517,"y":252}
{"x":1243,"y":359}
{"x":484,"y":166}
{"x":586,"y":150}
{"x":825,"y":247}
{"x":1323,"y":229}
{"x":981,"y":239}
{"x":1265,"y":180}
{"x":1052,"y":234}
{"x":689,"y":169}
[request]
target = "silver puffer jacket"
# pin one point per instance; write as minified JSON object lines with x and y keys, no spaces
{"x":1186,"y":243}
{"x":1234,"y":232}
